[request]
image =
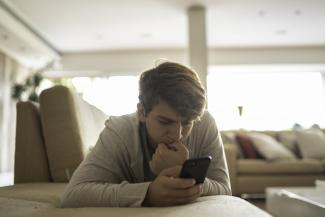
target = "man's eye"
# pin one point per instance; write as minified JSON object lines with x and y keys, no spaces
{"x":164,"y":122}
{"x":187,"y":123}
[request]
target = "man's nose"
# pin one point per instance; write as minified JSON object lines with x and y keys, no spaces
{"x":176,"y":131}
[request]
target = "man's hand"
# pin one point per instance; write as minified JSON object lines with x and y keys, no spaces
{"x":168,"y":190}
{"x":167,"y":156}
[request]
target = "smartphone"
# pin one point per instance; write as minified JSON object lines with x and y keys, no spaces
{"x":196,"y":168}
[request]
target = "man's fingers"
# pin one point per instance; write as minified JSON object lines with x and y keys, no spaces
{"x":156,"y":157}
{"x":176,"y":146}
{"x":178,"y":183}
{"x":186,"y":193}
{"x":186,"y":200}
{"x":152,"y":166}
{"x":162,"y":149}
{"x":172,"y":171}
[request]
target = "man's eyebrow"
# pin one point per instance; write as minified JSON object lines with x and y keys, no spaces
{"x":166,"y":118}
{"x":172,"y":120}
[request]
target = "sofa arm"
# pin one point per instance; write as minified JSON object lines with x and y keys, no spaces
{"x":231,"y":157}
{"x":31,"y":162}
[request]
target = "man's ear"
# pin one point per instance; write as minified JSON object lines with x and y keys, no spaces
{"x":141,"y":112}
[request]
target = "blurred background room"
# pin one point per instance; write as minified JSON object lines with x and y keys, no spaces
{"x":261,"y":61}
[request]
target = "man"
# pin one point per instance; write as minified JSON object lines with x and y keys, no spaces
{"x":138,"y":157}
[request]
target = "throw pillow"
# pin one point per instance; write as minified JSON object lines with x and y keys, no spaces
{"x":269,"y":148}
{"x":289,"y":140}
{"x":311,"y":143}
{"x":247,"y":146}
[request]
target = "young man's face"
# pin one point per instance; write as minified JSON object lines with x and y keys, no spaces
{"x":164,"y":124}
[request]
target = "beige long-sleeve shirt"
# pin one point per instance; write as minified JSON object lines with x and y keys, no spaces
{"x":112,"y":175}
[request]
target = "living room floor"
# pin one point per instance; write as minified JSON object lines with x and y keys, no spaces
{"x":260,"y":203}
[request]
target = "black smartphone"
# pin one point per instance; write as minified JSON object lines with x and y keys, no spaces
{"x":196,"y":168}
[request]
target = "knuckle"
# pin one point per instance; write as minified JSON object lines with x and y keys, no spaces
{"x":188,"y":194}
{"x":164,"y":193}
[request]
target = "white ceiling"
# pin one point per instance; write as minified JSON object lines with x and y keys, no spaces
{"x":92,"y":25}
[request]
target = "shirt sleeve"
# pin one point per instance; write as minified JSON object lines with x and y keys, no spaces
{"x":217,"y":181}
{"x":101,"y":179}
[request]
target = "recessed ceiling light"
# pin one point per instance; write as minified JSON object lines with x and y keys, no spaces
{"x":280,"y":32}
{"x":145,"y":35}
{"x":261,"y":13}
{"x":99,"y":36}
{"x":297,"y":12}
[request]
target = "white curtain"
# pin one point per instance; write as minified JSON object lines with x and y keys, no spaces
{"x":10,"y":73}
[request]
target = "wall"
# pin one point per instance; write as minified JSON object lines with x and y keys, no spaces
{"x":134,"y":61}
{"x":268,"y":55}
{"x":10,"y":73}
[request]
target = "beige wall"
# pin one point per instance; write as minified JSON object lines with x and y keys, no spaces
{"x":10,"y":72}
{"x":267,"y":55}
{"x":135,"y":61}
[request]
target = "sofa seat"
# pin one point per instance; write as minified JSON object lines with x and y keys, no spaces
{"x":286,"y":167}
{"x":39,"y":192}
{"x":222,"y":206}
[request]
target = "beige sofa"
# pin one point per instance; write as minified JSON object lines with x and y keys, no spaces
{"x":52,"y":138}
{"x":250,"y":177}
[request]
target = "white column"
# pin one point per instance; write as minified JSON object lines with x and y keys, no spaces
{"x":2,"y":112}
{"x":323,"y":78}
{"x":197,"y":42}
{"x":9,"y":122}
{"x":7,"y":115}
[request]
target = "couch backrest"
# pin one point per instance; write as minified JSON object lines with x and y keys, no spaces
{"x":70,"y":127}
{"x":31,"y":163}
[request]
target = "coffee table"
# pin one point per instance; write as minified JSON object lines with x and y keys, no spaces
{"x":295,"y":201}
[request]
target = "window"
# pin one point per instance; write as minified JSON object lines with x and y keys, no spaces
{"x":115,"y":95}
{"x":269,"y":100}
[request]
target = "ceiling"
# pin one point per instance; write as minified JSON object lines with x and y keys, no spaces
{"x":84,"y":25}
{"x":36,"y":32}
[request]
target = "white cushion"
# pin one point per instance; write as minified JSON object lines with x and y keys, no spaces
{"x":311,"y":143}
{"x":289,"y":140}
{"x":91,"y":122}
{"x":269,"y":148}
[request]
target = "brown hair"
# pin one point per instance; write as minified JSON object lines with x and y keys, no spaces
{"x":176,"y":84}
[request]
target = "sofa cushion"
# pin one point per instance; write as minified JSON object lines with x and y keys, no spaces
{"x":311,"y":143}
{"x":255,"y":183}
{"x":40,"y":192}
{"x":15,"y":207}
{"x":289,"y":140}
{"x":31,"y":164}
{"x":247,"y":146}
{"x":71,"y":126}
{"x":206,"y":206}
{"x":91,"y":122}
{"x":269,"y":148}
{"x":305,"y":166}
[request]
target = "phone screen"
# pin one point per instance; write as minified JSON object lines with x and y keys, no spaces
{"x":196,"y":168}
